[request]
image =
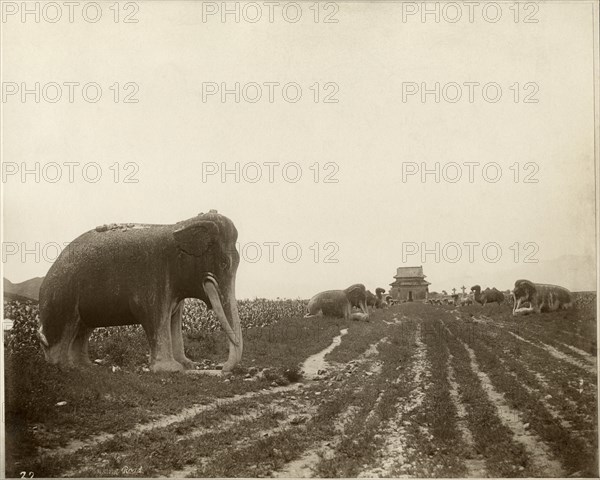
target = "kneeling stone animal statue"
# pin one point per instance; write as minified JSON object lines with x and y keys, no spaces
{"x":542,"y":297}
{"x":489,"y":295}
{"x":339,"y":303}
{"x":380,"y":302}
{"x":140,"y":274}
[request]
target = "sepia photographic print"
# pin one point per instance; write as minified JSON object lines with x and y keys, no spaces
{"x":326,"y":239}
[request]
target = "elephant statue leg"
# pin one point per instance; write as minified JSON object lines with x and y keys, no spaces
{"x":347,"y":311}
{"x":72,"y":347}
{"x":78,"y":352}
{"x":158,"y":331}
{"x":177,"y":339}
{"x":313,"y":309}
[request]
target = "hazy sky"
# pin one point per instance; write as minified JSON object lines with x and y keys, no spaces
{"x":365,"y":61}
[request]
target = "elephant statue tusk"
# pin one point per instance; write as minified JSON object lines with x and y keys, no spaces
{"x":42,"y":338}
{"x":211,"y":288}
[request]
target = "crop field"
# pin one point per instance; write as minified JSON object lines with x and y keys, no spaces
{"x":419,"y":391}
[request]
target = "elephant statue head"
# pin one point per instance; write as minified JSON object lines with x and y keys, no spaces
{"x":208,"y":243}
{"x":140,"y":274}
{"x":523,"y":291}
{"x":357,"y":294}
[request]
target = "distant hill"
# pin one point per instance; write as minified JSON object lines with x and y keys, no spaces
{"x":29,"y":289}
{"x":13,"y":296}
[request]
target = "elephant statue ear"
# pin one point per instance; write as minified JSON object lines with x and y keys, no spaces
{"x":356,"y":290}
{"x":525,"y":285}
{"x":196,"y":238}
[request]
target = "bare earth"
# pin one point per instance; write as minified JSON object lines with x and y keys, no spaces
{"x":420,"y":391}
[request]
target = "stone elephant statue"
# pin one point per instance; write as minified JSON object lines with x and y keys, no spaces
{"x":140,"y":274}
{"x":542,"y":297}
{"x":339,"y":303}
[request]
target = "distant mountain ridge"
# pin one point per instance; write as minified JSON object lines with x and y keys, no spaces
{"x":29,"y":288}
{"x":12,"y":297}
